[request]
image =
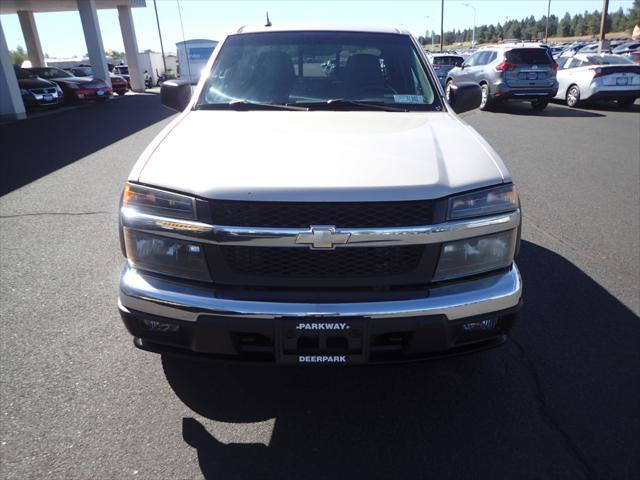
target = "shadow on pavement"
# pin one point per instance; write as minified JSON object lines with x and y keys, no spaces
{"x":37,"y":146}
{"x":559,"y":400}
{"x":552,"y":110}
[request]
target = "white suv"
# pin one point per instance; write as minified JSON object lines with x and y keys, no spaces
{"x":298,"y":214}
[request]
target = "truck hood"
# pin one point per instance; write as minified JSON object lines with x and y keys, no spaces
{"x":319,"y":156}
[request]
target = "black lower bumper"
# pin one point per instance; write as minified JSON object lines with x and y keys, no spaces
{"x":524,"y":94}
{"x":615,"y":95}
{"x":318,"y":340}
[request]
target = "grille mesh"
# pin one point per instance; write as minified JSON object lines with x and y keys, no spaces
{"x":304,"y":214}
{"x":302,"y":262}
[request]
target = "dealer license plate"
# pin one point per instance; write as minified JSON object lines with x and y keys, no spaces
{"x":311,"y":341}
{"x":621,"y":81}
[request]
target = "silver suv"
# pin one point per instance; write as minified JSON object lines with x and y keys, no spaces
{"x":508,"y":72}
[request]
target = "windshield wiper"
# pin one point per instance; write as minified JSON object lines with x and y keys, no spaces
{"x":343,"y":102}
{"x":248,"y":105}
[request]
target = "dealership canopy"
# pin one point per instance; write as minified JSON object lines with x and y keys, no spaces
{"x":11,"y":105}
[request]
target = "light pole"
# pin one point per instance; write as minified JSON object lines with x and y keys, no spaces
{"x":442,"y":26}
{"x":473,"y":36}
{"x":164,"y":62}
{"x":546,"y":29}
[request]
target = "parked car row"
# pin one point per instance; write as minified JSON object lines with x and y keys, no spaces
{"x":43,"y":87}
{"x":75,"y":88}
{"x":530,"y":72}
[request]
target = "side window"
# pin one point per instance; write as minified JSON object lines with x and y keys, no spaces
{"x":573,"y":63}
{"x":492,"y":57}
{"x":472,"y":60}
{"x":484,"y":58}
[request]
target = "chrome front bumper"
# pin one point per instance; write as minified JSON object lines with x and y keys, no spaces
{"x":174,"y":300}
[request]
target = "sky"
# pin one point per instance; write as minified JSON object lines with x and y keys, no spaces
{"x":61,"y":32}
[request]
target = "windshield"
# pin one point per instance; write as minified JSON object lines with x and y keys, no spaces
{"x":528,"y":56}
{"x":454,"y":61}
{"x":311,"y":68}
{"x":608,"y":60}
{"x":50,"y":73}
{"x":22,"y":73}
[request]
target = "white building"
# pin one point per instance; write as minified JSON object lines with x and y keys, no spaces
{"x":193,"y":56}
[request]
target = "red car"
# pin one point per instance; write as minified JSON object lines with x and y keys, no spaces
{"x":119,"y":84}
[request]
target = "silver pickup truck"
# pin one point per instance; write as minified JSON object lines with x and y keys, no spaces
{"x":294,"y":213}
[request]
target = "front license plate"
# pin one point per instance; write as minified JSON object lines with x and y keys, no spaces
{"x":100,"y":93}
{"x":319,"y":341}
{"x":532,"y":76}
{"x":48,"y":98}
{"x":621,"y":81}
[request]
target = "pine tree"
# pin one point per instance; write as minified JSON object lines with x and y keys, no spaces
{"x":565,"y":26}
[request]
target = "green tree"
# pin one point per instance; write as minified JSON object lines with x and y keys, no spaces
{"x":514,"y":30}
{"x":618,"y":20}
{"x":18,"y":55}
{"x":633,"y":17}
{"x":553,"y":26}
{"x":577,"y":25}
{"x":565,"y":26}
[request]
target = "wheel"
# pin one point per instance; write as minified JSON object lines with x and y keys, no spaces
{"x":539,"y":105}
{"x":485,"y":103}
{"x":447,"y":90}
{"x":625,"y":102}
{"x":573,"y":96}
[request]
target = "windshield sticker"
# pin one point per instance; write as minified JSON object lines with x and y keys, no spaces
{"x":408,"y":98}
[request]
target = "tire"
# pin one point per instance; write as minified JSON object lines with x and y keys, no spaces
{"x":539,"y":105}
{"x":485,"y":103}
{"x":447,"y":89}
{"x":625,"y":103}
{"x":573,"y":96}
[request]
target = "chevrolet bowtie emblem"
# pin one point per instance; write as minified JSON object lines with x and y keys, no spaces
{"x":322,"y":237}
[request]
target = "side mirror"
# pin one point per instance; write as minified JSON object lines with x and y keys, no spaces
{"x":464,"y":96}
{"x":175,"y":94}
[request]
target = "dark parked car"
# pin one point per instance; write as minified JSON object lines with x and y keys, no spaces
{"x":37,"y":92}
{"x":627,"y":47}
{"x":443,"y":63}
{"x":75,"y":88}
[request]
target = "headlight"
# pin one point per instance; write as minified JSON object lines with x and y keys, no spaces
{"x":166,"y":255}
{"x":476,"y":255}
{"x":58,"y":89}
{"x":483,"y":202}
{"x":24,"y":92}
{"x":158,"y":202}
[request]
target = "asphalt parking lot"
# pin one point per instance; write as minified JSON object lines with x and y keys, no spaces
{"x":559,"y":400}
